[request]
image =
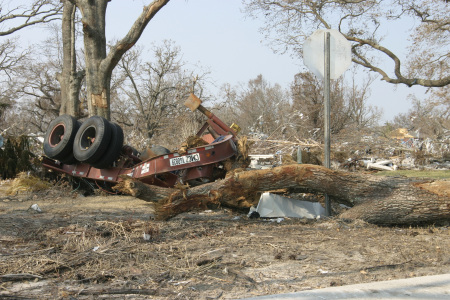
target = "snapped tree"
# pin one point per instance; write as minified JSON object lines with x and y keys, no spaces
{"x":374,"y":199}
{"x":99,"y":63}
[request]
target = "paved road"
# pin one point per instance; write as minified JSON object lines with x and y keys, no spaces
{"x":427,"y":287}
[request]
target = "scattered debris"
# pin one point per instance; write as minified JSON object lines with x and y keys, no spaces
{"x":36,"y":208}
{"x":253,"y":214}
{"x":400,"y":134}
{"x":262,"y":161}
{"x":273,"y":206}
{"x":383,"y":165}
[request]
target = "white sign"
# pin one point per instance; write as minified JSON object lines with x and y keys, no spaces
{"x":184,"y":159}
{"x":340,"y":53}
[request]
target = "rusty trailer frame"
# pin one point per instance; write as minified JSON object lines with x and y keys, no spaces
{"x":163,"y":170}
{"x":202,"y":163}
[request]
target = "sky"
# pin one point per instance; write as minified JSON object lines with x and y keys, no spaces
{"x":214,"y":34}
{"x":217,"y":35}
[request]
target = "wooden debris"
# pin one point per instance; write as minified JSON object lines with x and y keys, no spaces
{"x":102,"y":291}
{"x":19,"y":277}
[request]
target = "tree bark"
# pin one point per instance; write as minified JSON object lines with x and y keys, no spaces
{"x":99,"y":64}
{"x":69,"y":79}
{"x":94,"y":35}
{"x":378,"y":200}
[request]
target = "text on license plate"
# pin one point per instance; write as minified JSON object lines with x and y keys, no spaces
{"x":181,"y":160}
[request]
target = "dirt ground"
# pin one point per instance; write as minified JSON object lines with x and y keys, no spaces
{"x":94,"y":248}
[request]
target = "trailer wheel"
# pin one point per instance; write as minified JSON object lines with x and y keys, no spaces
{"x":92,"y":139}
{"x":69,"y":160}
{"x":60,"y":135}
{"x":114,"y":148}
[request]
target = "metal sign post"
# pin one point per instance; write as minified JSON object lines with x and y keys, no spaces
{"x":327,"y":132}
{"x":327,"y":53}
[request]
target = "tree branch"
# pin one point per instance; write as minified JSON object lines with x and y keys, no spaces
{"x":36,"y":15}
{"x":397,"y":66}
{"x":132,"y":36}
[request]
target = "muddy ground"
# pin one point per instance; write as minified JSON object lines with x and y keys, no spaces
{"x":94,"y":248}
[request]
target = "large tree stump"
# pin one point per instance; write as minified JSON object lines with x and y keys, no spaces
{"x":375,"y":199}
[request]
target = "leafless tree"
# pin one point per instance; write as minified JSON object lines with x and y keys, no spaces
{"x":16,"y":16}
{"x":427,"y":118}
{"x":41,"y":96}
{"x":10,"y":57}
{"x":21,"y":16}
{"x":349,"y":107}
{"x":259,"y":106}
{"x":290,"y":22}
{"x":151,"y":93}
{"x":226,"y":107}
{"x":357,"y":94}
{"x":307,"y":106}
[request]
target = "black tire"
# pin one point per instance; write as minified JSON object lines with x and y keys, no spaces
{"x":113,"y":150}
{"x":60,"y":135}
{"x":69,"y":160}
{"x":92,"y":139}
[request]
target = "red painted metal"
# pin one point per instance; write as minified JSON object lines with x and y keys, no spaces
{"x":166,"y":170}
{"x":214,"y":125}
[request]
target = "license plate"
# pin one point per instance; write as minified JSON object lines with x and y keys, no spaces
{"x":181,"y":160}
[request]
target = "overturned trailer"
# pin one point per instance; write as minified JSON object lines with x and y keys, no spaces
{"x":94,"y":150}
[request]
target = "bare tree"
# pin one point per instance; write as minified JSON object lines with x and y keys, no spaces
{"x":307,"y":106}
{"x":17,"y":18}
{"x":13,"y":18}
{"x":40,"y":95}
{"x":22,"y":16}
{"x":10,"y":57}
{"x":152,"y":92}
{"x":361,"y":113}
{"x":99,"y":63}
{"x":428,"y":118}
{"x":349,"y":107}
{"x":361,"y":22}
{"x":227,"y":107}
{"x":259,"y":106}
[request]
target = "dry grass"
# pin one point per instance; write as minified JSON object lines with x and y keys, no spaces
{"x":199,"y":255}
{"x":25,"y":183}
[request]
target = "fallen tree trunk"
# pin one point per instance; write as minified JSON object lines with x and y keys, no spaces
{"x":379,"y":200}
